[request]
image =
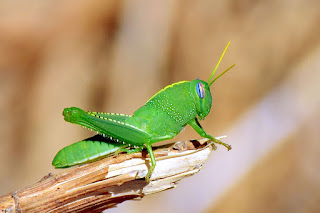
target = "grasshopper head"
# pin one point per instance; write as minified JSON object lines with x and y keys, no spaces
{"x":200,"y":91}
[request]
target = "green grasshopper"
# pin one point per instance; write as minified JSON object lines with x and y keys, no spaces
{"x":163,"y":116}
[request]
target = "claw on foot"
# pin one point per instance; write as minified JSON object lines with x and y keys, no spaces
{"x":223,"y":144}
{"x":214,"y":147}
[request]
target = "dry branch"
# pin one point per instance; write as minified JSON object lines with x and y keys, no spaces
{"x":100,"y":185}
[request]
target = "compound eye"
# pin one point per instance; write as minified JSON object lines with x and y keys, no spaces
{"x":200,"y":90}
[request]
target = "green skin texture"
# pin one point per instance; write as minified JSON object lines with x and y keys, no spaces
{"x":89,"y":150}
{"x":163,"y":116}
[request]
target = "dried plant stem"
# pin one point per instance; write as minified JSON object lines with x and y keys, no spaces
{"x":100,"y":185}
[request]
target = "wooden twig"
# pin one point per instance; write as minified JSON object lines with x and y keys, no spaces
{"x":103,"y":184}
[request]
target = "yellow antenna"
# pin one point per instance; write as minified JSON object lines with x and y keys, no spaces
{"x":225,"y":49}
{"x":221,"y":74}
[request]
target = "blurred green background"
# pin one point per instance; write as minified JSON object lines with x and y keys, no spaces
{"x":113,"y":56}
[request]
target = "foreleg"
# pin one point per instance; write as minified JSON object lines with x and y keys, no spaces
{"x":197,"y":127}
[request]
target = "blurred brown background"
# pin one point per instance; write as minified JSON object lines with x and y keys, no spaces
{"x":113,"y":55}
